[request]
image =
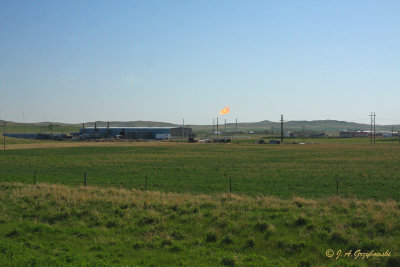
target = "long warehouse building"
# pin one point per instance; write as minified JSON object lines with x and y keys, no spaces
{"x":160,"y":133}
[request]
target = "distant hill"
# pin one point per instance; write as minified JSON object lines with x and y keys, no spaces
{"x":58,"y":127}
{"x":132,"y":124}
{"x":98,"y":123}
{"x":317,"y":125}
{"x":322,"y":125}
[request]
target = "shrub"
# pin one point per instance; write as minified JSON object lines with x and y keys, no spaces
{"x":358,"y":223}
{"x":300,"y":222}
{"x":304,"y":263}
{"x":228,"y":261}
{"x":249,"y":243}
{"x":166,"y":242}
{"x":177,"y":235}
{"x":337,"y":238}
{"x":393,"y":262}
{"x":261,"y":226}
{"x":146,"y":220}
{"x":111,"y":224}
{"x":226,"y":240}
{"x":298,"y":204}
{"x":138,"y":245}
{"x":211,"y":237}
{"x":13,"y":233}
{"x":380,"y":228}
{"x":290,"y":247}
{"x":175,"y":248}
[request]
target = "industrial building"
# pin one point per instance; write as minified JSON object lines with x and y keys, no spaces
{"x":159,"y":133}
{"x":40,"y":136}
{"x":348,"y":134}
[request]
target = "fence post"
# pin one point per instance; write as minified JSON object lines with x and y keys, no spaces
{"x":230,"y":185}
{"x":85,"y":182}
{"x":145,"y":182}
{"x":337,"y":186}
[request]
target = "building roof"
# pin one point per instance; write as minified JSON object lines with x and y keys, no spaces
{"x":122,"y":127}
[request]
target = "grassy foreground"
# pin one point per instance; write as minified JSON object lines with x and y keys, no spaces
{"x":56,"y":225}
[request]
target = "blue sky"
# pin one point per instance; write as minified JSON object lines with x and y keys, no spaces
{"x":77,"y":61}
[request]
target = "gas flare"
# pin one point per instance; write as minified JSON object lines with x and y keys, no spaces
{"x":224,"y":111}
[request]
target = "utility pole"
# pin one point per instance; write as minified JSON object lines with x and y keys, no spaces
{"x":217,"y":130}
{"x":225,"y":131}
{"x":392,"y":135}
{"x":183,"y":128}
{"x":374,"y":128}
{"x":213,"y":130}
{"x":23,"y":118}
{"x":370,"y":133}
{"x":282,"y":128}
{"x":43,"y":128}
{"x":4,"y":134}
{"x":108,"y":129}
{"x":236,"y":129}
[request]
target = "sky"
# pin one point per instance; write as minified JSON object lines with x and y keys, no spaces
{"x":79,"y":61}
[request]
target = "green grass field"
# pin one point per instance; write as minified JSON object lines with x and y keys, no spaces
{"x":54,"y":225}
{"x":308,"y":171}
{"x":283,"y":210}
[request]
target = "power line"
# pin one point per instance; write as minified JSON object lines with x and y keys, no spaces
{"x":374,"y":128}
{"x":213,"y":130}
{"x":4,"y":134}
{"x":392,"y":134}
{"x":217,"y":130}
{"x":282,"y":128}
{"x":236,"y":129}
{"x":23,"y":118}
{"x":225,"y":131}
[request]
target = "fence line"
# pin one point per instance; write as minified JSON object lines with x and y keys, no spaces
{"x":144,"y":182}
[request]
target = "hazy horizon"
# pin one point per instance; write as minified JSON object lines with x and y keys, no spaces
{"x":74,"y":61}
{"x":221,"y":122}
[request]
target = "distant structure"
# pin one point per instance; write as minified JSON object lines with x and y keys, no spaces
{"x":289,"y":134}
{"x":158,"y":133}
{"x":41,"y":136}
{"x":349,"y":134}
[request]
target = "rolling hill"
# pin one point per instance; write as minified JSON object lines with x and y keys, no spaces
{"x":316,"y":125}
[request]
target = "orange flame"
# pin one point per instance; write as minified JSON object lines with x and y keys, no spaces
{"x":224,"y":111}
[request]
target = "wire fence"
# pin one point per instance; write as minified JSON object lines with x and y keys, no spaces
{"x":183,"y":183}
